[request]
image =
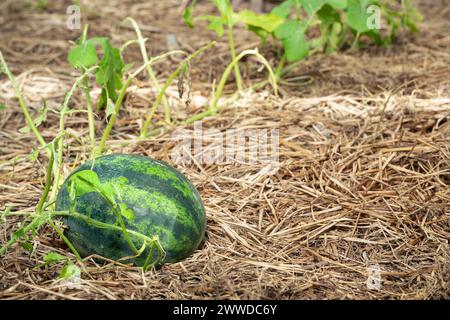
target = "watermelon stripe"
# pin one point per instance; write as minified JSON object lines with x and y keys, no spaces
{"x":164,"y":203}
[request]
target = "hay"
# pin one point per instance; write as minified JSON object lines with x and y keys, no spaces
{"x":363,"y":179}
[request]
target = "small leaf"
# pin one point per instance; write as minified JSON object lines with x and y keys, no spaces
{"x":296,"y":46}
{"x":187,"y":14}
{"x":41,"y":4}
{"x":33,"y":156}
{"x":358,"y":15}
{"x":216,"y":24}
{"x":412,"y":16}
{"x":126,"y":212}
{"x":24,"y":130}
{"x":292,"y":35}
{"x":226,"y":11}
{"x":2,"y":106}
{"x":84,"y":55}
{"x":84,"y":181}
{"x":338,"y":4}
{"x":128,"y":67}
{"x":268,"y":22}
{"x":263,"y":34}
{"x":28,"y":246}
{"x":312,"y":6}
{"x":286,"y":29}
{"x":53,"y":257}
{"x":283,"y":10}
{"x":87,"y":181}
{"x":328,"y":15}
{"x":110,"y":108}
{"x":18,"y":234}
{"x":69,"y":271}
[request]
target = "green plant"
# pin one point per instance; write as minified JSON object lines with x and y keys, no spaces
{"x":109,"y":73}
{"x":293,"y":21}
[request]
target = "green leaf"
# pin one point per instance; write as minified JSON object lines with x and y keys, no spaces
{"x":42,"y":116}
{"x":286,"y":29}
{"x":2,"y":106}
{"x":283,"y":10}
{"x":312,"y":6}
{"x":292,"y":35}
{"x":126,"y":212}
{"x":263,"y":34}
{"x":53,"y":257}
{"x":84,"y":55}
{"x":110,"y":108}
{"x":226,"y":11}
{"x":187,"y":14}
{"x":411,"y":17}
{"x":296,"y":46}
{"x":69,"y":271}
{"x":28,"y":246}
{"x":33,"y":156}
{"x":268,"y":22}
{"x":85,"y":181}
{"x":110,"y":72}
{"x":358,"y":15}
{"x":328,"y":15}
{"x":41,"y":4}
{"x":216,"y":24}
{"x":338,"y":4}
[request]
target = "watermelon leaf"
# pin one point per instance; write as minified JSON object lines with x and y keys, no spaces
{"x":358,"y":15}
{"x":312,"y":6}
{"x":28,"y":246}
{"x":110,"y":68}
{"x":83,"y":56}
{"x":215,"y":24}
{"x":338,"y":4}
{"x":283,"y":10}
{"x":267,"y":22}
{"x":53,"y":257}
{"x":292,"y":35}
{"x":85,"y":181}
{"x":69,"y":271}
{"x":187,"y":14}
{"x":126,"y":212}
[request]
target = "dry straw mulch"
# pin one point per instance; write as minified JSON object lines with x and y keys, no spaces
{"x":363,"y":179}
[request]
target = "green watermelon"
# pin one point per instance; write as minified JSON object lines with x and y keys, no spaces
{"x":162,"y":200}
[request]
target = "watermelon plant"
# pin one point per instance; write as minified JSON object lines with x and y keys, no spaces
{"x":304,"y":27}
{"x":148,"y":214}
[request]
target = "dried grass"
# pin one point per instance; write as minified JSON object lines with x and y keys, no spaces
{"x":363,"y":179}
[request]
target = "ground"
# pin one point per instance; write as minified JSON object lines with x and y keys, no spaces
{"x":362,"y":181}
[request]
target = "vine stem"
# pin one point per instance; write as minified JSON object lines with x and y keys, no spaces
{"x":141,"y":42}
{"x":91,"y":121}
{"x":48,"y":183}
{"x":4,"y":68}
{"x":87,"y":93}
{"x":102,"y":225}
{"x":237,"y":72}
{"x":169,"y":81}
{"x":214,"y":107}
{"x":60,"y":142}
{"x":123,"y":91}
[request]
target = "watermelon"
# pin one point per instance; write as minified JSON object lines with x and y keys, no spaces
{"x":162,"y":200}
